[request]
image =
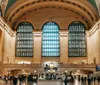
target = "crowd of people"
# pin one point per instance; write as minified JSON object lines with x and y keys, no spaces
{"x":89,"y":78}
{"x":14,"y":80}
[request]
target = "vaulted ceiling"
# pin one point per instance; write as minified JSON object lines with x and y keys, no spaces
{"x":11,"y":2}
{"x":86,"y":9}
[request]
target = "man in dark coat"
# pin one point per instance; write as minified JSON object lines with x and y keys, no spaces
{"x":66,"y":81}
{"x":15,"y":81}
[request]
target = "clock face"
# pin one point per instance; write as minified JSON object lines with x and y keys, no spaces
{"x":51,"y":65}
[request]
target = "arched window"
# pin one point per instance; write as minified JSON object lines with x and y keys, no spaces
{"x":77,"y":40}
{"x":24,"y":40}
{"x":50,"y":40}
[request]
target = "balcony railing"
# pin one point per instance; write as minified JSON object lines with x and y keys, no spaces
{"x":40,"y":66}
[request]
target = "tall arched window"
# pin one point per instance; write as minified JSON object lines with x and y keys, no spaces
{"x":50,"y":40}
{"x":77,"y":40}
{"x":24,"y":40}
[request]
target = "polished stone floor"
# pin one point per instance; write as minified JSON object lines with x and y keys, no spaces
{"x":75,"y":83}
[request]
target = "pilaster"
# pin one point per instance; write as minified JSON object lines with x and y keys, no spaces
{"x":64,"y":46}
{"x":37,"y":47}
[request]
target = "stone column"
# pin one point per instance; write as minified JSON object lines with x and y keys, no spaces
{"x":2,"y":52}
{"x":99,"y":40}
{"x":3,"y":47}
{"x":37,"y":47}
{"x":12,"y":60}
{"x":64,"y":46}
{"x":88,"y":42}
{"x":1,"y":44}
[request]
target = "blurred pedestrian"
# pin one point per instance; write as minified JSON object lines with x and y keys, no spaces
{"x":66,"y":80}
{"x":15,"y":81}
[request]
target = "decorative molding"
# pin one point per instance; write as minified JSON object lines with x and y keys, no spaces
{"x":3,"y":4}
{"x":37,"y":33}
{"x":21,"y":66}
{"x":90,"y":14}
{"x":5,"y":27}
{"x":87,"y":33}
{"x":94,"y":28}
{"x":64,"y":33}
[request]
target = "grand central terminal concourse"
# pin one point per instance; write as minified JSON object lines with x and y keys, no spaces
{"x":49,"y":42}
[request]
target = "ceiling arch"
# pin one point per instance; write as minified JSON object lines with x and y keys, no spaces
{"x":21,"y":7}
{"x":11,"y":2}
{"x":93,"y":2}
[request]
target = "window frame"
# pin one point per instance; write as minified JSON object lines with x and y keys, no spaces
{"x":82,"y":41}
{"x":51,"y":40}
{"x":30,"y":41}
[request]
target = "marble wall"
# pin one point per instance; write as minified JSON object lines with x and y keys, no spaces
{"x":93,"y":48}
{"x":8,"y":41}
{"x":8,"y":48}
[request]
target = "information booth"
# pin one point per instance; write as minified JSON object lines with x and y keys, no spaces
{"x":50,"y":75}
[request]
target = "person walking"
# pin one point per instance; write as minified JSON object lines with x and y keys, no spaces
{"x":66,"y":81}
{"x":15,"y":81}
